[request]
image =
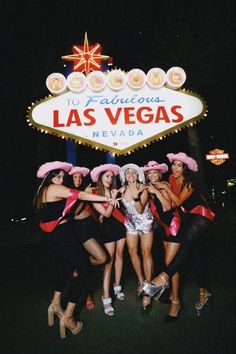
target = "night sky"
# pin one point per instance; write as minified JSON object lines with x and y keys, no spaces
{"x":199,"y":37}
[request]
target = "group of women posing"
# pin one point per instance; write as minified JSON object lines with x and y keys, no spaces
{"x":91,"y":227}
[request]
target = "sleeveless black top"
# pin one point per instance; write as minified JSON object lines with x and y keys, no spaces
{"x":52,"y":210}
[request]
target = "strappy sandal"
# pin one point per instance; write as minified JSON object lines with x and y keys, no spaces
{"x":139,"y":291}
{"x":119,"y":294}
{"x":151,"y":289}
{"x":171,"y":318}
{"x":108,"y":309}
{"x":63,"y":327}
{"x":204,"y":306}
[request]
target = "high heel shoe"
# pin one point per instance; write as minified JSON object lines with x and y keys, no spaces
{"x":118,"y":293}
{"x":171,"y":318}
{"x":165,"y":298}
{"x":206,"y":306}
{"x":139,"y":291}
{"x":52,"y":313}
{"x":107,"y":306}
{"x":76,"y":330}
{"x":151,"y":289}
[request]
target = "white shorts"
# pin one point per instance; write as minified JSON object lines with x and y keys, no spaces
{"x":139,"y":224}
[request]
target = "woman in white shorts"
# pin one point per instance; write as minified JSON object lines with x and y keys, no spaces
{"x":138,"y":223}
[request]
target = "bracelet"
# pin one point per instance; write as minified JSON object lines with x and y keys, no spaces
{"x":136,"y":199}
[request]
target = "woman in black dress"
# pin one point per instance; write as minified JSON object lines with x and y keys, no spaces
{"x":113,"y":232}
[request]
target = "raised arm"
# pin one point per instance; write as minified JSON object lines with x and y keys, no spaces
{"x":161,"y":195}
{"x":178,"y":199}
{"x":140,"y":196}
{"x":60,"y":191}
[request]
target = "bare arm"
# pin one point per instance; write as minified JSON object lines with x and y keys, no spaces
{"x":56,"y":192}
{"x":140,"y":205}
{"x":179,"y":199}
{"x":140,"y":196}
{"x":161,"y":195}
{"x":106,"y":212}
{"x":92,"y":197}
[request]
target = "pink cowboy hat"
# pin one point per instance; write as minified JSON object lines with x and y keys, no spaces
{"x":153,"y":165}
{"x":84,"y":171}
{"x":102,"y":168}
{"x":54,"y":165}
{"x":181,"y":156}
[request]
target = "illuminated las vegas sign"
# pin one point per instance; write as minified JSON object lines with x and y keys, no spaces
{"x":115,"y":111}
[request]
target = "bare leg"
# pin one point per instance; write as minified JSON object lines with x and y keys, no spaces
{"x":161,"y":279}
{"x":98,"y":254}
{"x":171,"y":248}
{"x":108,"y":309}
{"x":108,"y":268}
{"x":132,"y":243}
{"x":146,"y":247}
{"x":56,"y":303}
{"x":119,"y":261}
{"x":118,"y":269}
{"x":203,"y":293}
{"x":68,"y":321}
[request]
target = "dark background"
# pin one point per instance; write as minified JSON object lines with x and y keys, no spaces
{"x":198,"y":37}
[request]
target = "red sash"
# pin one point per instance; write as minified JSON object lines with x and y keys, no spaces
{"x":88,"y":207}
{"x":174,"y":186}
{"x":201,"y":210}
{"x":70,"y":201}
{"x":116,"y":213}
{"x":175,"y":222}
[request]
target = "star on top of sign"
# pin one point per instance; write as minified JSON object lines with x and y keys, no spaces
{"x":86,"y":58}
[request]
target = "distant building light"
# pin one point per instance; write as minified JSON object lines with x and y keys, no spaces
{"x":231,"y":182}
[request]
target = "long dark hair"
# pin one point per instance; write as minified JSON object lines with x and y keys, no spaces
{"x":100,"y":184}
{"x":189,"y":178}
{"x":47,"y":181}
{"x":85,"y":182}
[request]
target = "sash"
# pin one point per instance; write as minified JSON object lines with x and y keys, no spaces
{"x":118,"y":215}
{"x":201,"y":210}
{"x":175,"y":222}
{"x":91,"y":212}
{"x":174,"y":186}
{"x":89,"y":209}
{"x":70,"y":201}
{"x":116,"y":212}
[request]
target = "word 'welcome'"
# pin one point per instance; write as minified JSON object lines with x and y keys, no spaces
{"x":116,"y":80}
